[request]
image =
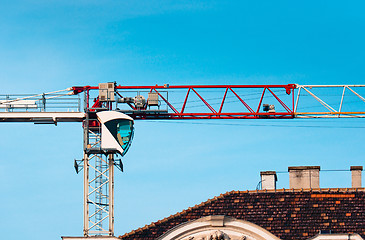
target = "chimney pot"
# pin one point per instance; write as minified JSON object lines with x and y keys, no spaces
{"x":356,"y":176}
{"x":304,"y":177}
{"x":268,"y":180}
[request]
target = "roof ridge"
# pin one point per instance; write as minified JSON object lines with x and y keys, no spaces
{"x":362,"y":189}
{"x":180,"y":213}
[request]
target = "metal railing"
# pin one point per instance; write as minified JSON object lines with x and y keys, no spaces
{"x":57,"y":101}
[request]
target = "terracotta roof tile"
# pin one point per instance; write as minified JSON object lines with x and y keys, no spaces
{"x":287,"y":213}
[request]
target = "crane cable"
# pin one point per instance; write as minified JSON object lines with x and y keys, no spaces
{"x":256,"y":125}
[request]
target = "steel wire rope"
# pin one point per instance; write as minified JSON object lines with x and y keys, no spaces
{"x":202,"y":104}
{"x":270,"y":96}
{"x":313,"y":106}
{"x":219,"y":98}
{"x":257,"y":125}
{"x":259,"y":92}
{"x":324,"y":170}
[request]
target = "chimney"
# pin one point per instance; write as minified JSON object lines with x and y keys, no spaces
{"x":356,"y":176}
{"x":268,"y":180}
{"x":304,"y":177}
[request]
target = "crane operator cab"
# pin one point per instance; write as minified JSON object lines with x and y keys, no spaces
{"x":116,"y":131}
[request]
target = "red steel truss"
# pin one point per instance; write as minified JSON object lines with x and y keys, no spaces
{"x":189,"y":102}
{"x":248,"y":111}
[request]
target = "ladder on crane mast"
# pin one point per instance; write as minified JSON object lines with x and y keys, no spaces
{"x":108,"y":121}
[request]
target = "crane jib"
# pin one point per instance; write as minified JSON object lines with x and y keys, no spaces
{"x":108,"y":112}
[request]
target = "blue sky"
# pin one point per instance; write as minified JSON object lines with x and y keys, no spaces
{"x":52,"y":45}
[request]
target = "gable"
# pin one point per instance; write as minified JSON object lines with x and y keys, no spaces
{"x":218,"y":227}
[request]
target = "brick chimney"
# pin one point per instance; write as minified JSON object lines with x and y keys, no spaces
{"x":356,"y":176}
{"x":304,"y":177}
{"x":268,"y":180}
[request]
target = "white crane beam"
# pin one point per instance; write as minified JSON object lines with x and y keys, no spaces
{"x":42,"y":117}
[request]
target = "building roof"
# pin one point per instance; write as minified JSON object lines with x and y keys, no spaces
{"x":288,"y":214}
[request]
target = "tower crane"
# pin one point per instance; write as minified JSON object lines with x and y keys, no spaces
{"x":108,"y":111}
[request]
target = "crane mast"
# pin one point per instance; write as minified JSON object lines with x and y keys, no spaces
{"x":164,"y":102}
